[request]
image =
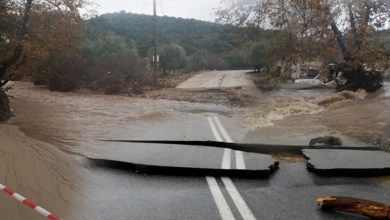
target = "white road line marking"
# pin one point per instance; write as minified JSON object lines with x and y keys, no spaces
{"x":223,"y":207}
{"x":214,"y":130}
{"x":222,"y":129}
{"x":226,"y":159}
{"x":240,"y":162}
{"x":242,"y":207}
{"x":219,"y":199}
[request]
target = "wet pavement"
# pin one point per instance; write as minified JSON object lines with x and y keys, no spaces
{"x":73,"y":187}
{"x":185,"y":160}
{"x":238,"y":79}
{"x":348,"y":162}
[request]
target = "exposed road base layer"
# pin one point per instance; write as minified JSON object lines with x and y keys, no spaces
{"x":184,"y":171}
{"x":252,"y":148}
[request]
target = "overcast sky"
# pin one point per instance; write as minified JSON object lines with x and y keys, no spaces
{"x":198,"y":9}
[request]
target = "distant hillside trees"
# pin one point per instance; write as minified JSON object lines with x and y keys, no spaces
{"x":226,"y":46}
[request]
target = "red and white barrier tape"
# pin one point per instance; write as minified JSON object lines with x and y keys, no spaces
{"x":29,"y":203}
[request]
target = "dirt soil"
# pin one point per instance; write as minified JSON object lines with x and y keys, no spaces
{"x":166,"y":91}
{"x":264,"y":82}
{"x":172,"y":80}
{"x":226,"y":97}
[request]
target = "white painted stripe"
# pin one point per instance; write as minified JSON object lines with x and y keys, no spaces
{"x":223,"y":207}
{"x":220,"y":201}
{"x":18,"y":197}
{"x":226,"y":160}
{"x":2,"y":187}
{"x":42,"y":211}
{"x":214,"y":130}
{"x":240,"y":162}
{"x":222,"y":129}
{"x":242,"y":207}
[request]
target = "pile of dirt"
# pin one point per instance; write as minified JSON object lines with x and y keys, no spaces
{"x":230,"y":98}
{"x":265,"y":82}
{"x":173,"y":80}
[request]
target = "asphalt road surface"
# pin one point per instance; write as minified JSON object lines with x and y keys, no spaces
{"x":74,"y":188}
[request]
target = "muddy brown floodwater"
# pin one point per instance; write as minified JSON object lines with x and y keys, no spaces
{"x":48,"y":124}
{"x":81,"y":118}
{"x":76,"y":119}
{"x":354,"y":114}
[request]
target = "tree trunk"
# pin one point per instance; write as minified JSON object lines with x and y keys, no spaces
{"x":5,"y":110}
{"x":357,"y":206}
{"x":357,"y":77}
{"x":7,"y":63}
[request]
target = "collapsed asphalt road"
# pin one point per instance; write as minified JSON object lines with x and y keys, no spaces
{"x":73,"y":188}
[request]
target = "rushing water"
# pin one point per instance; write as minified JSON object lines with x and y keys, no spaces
{"x":81,"y":118}
{"x":74,"y":122}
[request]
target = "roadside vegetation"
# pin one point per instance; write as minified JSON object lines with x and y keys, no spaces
{"x":347,"y":33}
{"x":51,"y":43}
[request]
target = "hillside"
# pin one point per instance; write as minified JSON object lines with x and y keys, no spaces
{"x":191,"y":34}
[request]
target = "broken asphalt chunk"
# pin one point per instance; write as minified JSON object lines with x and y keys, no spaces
{"x":348,"y":162}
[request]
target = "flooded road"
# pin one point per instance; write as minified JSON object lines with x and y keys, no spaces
{"x":43,"y":148}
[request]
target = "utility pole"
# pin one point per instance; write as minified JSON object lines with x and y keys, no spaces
{"x":155,"y":58}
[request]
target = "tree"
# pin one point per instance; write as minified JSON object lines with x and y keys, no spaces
{"x":57,"y":30}
{"x":309,"y":26}
{"x":260,"y":56}
{"x":172,"y":57}
{"x":33,"y":31}
{"x":13,"y":37}
{"x":11,"y":40}
{"x":198,"y":60}
{"x":114,"y":63}
{"x":236,"y":59}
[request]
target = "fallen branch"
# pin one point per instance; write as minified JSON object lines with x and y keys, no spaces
{"x":357,"y":206}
